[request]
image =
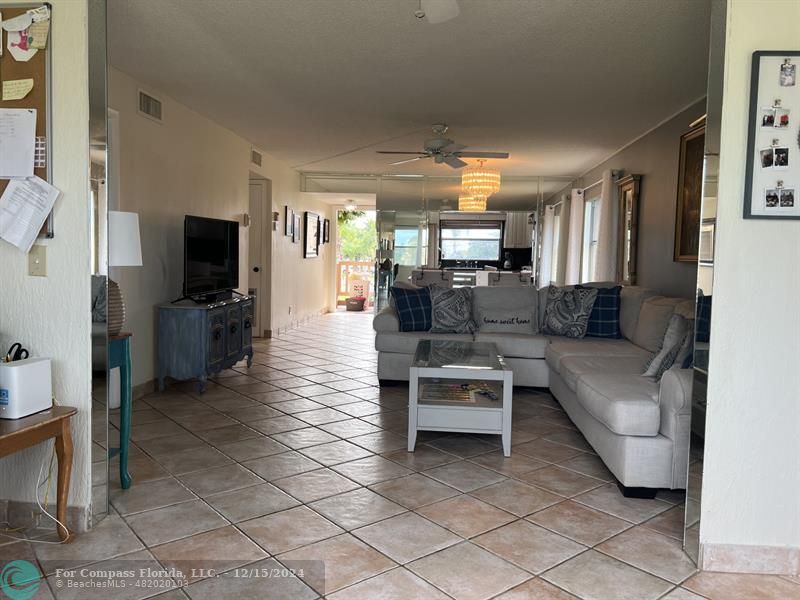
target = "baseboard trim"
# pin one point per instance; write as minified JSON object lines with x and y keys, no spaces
{"x":28,"y":514}
{"x":144,"y":389}
{"x":739,"y":558}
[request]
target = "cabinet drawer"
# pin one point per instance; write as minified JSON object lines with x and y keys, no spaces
{"x":233,"y":330}
{"x":216,"y":336}
{"x":247,"y":323}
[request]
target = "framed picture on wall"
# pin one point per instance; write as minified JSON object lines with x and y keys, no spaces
{"x":690,"y":195}
{"x":628,"y":228}
{"x":296,"y":229}
{"x":288,"y":221}
{"x":772,"y":169}
{"x":311,"y":235}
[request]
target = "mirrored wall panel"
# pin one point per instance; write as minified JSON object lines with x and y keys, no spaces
{"x":105,"y":437}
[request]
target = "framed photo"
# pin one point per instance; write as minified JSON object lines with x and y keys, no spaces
{"x":295,"y":228}
{"x":706,"y":251}
{"x":311,"y":235}
{"x":690,"y":195}
{"x":628,"y":231}
{"x":772,"y":171}
{"x":288,"y":221}
{"x":326,"y":231}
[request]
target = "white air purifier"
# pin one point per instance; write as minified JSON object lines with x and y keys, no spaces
{"x":25,"y":387}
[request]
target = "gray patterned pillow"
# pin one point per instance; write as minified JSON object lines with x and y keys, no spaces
{"x":452,"y":310}
{"x":567,"y":311}
{"x":674,"y":337}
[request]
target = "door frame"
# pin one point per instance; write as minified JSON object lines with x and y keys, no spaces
{"x":263,"y":279}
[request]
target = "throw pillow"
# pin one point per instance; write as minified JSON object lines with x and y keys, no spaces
{"x":685,"y":356}
{"x":403,"y":285}
{"x":567,"y":312}
{"x":451,"y":310}
{"x":703,"y":324}
{"x":413,"y":308}
{"x":604,"y":320}
{"x":507,"y":321}
{"x":676,"y":331}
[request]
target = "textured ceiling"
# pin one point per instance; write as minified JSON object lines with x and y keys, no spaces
{"x":322,"y":84}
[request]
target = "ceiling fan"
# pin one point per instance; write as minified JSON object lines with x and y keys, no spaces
{"x":443,"y":150}
{"x":437,"y":11}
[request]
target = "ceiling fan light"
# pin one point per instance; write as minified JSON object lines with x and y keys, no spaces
{"x":472,"y":203}
{"x":480,"y":181}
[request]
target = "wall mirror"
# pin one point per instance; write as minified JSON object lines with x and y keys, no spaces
{"x":102,"y":437}
{"x":705,"y":280}
{"x":628,"y":191}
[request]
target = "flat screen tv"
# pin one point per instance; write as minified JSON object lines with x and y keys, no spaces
{"x":211,"y":256}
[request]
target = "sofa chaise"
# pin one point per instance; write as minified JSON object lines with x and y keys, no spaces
{"x":638,"y":426}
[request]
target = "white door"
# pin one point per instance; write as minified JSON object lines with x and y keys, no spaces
{"x":260,"y":221}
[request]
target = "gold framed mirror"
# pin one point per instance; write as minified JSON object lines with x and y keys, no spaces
{"x":628,"y":194}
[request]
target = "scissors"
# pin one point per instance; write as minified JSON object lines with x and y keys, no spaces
{"x":17,"y":352}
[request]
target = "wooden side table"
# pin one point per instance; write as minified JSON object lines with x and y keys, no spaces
{"x":119,"y":355}
{"x":18,"y":434}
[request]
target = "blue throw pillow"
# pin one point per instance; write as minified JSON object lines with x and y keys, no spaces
{"x":703,"y":319}
{"x":413,"y":308}
{"x":604,"y":320}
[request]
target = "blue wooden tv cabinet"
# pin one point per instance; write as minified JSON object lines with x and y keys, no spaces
{"x":196,"y":341}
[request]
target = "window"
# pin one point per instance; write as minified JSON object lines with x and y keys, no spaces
{"x":407,"y":249}
{"x":591,"y":222}
{"x":471,"y":240}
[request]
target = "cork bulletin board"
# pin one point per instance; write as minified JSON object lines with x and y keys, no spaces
{"x":38,"y":69}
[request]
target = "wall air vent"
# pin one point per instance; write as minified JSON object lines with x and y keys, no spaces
{"x":255,"y":157}
{"x":149,"y":106}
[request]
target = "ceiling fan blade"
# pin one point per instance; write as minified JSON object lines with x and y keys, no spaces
{"x":454,"y":162}
{"x":398,"y":152}
{"x":454,"y":147}
{"x":482,"y":154}
{"x":408,"y":160}
{"x":439,"y":11}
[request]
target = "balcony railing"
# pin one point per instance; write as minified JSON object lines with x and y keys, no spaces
{"x":348,"y":271}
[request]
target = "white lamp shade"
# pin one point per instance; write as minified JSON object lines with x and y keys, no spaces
{"x":124,"y":243}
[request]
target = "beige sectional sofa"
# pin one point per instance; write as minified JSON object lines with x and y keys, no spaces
{"x":637,"y":425}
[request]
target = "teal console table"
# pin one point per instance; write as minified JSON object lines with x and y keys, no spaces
{"x":119,"y":355}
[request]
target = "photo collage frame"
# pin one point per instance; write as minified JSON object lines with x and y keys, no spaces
{"x":772,"y":175}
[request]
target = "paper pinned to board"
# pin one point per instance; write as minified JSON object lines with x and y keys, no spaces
{"x":40,"y":13}
{"x":19,"y":23}
{"x":24,"y":207}
{"x":17,"y":89}
{"x":19,"y":45}
{"x":1,"y":34}
{"x":17,"y":142}
{"x":37,"y":34}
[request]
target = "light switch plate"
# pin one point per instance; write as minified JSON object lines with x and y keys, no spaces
{"x":37,"y":261}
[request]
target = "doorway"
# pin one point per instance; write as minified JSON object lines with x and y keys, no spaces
{"x":259,"y":244}
{"x":356,"y":243}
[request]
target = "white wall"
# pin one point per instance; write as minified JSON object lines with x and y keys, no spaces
{"x":188,"y":164}
{"x":751,"y":486}
{"x":51,"y":315}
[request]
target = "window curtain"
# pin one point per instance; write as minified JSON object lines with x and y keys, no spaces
{"x":572,"y":274}
{"x":605,"y":265}
{"x":546,"y":260}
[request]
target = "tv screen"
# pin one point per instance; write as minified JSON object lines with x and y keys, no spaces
{"x":211,"y":255}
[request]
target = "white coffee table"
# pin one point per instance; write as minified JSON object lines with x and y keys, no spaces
{"x":437,"y":401}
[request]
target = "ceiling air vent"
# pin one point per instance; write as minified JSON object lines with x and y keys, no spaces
{"x":149,"y":106}
{"x":255,"y":157}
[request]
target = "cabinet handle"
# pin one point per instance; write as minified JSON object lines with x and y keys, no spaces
{"x":247,"y":325}
{"x":217,"y":333}
{"x":234,"y":327}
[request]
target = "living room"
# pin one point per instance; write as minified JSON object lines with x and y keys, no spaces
{"x":270,"y":119}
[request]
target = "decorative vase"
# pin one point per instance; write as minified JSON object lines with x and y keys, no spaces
{"x":116,"y":308}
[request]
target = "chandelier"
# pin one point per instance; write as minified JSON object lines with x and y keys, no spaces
{"x":480,"y":181}
{"x":472,"y":203}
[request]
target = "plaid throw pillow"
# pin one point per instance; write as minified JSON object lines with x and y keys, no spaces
{"x":604,"y":320}
{"x":703,"y":320}
{"x":413,"y":308}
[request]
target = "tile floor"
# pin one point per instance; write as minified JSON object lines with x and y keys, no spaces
{"x":300,"y":462}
